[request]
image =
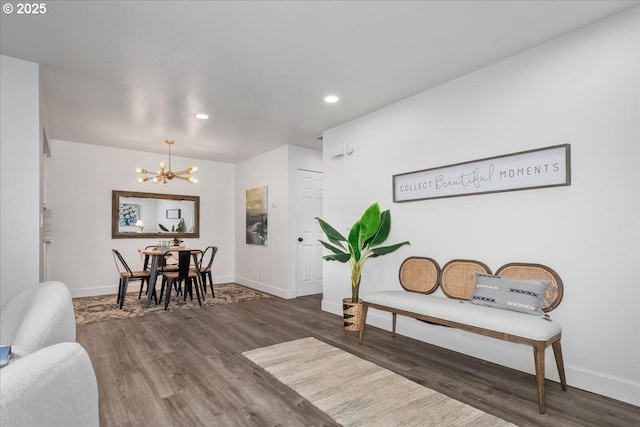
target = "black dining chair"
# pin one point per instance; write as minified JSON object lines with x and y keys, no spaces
{"x":146,"y":267}
{"x":175,"y":278}
{"x":166,"y":264}
{"x":205,"y":268}
{"x":127,"y":274}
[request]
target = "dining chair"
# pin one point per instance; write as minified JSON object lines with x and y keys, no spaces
{"x":167,"y":263}
{"x":146,"y":267}
{"x":205,"y":270}
{"x":127,"y":274}
{"x":174,"y":278}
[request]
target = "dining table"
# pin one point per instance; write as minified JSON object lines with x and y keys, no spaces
{"x":156,"y":254}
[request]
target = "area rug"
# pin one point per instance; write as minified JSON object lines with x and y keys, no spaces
{"x":355,"y":392}
{"x":102,"y":308}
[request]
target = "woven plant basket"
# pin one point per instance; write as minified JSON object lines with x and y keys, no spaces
{"x":352,"y":314}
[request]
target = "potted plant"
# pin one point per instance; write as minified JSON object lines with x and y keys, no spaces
{"x":365,"y":238}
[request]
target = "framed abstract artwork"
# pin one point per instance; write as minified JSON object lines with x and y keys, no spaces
{"x":256,"y":215}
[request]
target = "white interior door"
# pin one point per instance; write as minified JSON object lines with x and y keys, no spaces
{"x":309,"y":251}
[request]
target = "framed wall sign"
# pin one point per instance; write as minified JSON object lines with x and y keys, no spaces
{"x":539,"y":168}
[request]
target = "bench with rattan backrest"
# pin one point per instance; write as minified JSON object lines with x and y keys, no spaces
{"x":421,"y":276}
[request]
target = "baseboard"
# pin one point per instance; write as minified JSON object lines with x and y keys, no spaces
{"x":223,"y":279}
{"x":331,"y":307}
{"x":263,"y":287}
{"x":104,"y":290}
{"x":605,"y":385}
{"x":519,"y":358}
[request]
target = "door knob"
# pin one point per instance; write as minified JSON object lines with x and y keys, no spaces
{"x":300,"y":239}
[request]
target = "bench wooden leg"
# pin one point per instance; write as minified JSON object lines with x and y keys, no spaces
{"x":363,"y":321}
{"x":394,"y":316}
{"x":557,"y":352}
{"x":538,"y":355}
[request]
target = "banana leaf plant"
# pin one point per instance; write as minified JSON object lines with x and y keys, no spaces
{"x":364,"y":241}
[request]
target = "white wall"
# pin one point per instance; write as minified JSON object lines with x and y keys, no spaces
{"x":582,"y":89}
{"x":20,"y":158}
{"x":270,"y":268}
{"x":80,"y":178}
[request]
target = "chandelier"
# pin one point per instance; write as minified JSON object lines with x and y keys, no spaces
{"x":167,"y":175}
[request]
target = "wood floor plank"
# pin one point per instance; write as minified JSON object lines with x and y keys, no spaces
{"x":185,"y":368}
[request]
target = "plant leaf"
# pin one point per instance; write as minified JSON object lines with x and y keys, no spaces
{"x":354,"y":241}
{"x":375,"y":252}
{"x":337,"y":257}
{"x":162,"y":227}
{"x":370,"y":222}
{"x":383,"y":229}
{"x":333,"y":249}
{"x":332,"y":234}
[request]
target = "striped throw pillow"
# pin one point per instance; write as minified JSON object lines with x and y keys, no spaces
{"x":526,"y":296}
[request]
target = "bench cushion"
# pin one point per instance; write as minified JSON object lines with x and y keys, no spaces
{"x":503,"y":321}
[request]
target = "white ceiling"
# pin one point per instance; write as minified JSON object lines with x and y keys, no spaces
{"x":131,"y":74}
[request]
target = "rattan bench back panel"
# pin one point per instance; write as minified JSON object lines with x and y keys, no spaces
{"x":459,"y":277}
{"x":419,"y":274}
{"x":518,"y":270}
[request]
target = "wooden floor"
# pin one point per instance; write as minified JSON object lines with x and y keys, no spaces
{"x":185,"y":368}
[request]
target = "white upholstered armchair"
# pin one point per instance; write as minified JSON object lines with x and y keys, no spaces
{"x":38,"y":316}
{"x":52,"y":383}
{"x":53,"y":386}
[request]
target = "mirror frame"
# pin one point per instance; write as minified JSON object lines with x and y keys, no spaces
{"x":115,"y":201}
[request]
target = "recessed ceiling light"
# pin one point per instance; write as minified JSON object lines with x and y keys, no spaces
{"x":202,"y":116}
{"x":331,"y":99}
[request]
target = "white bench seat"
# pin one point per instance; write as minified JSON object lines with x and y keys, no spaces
{"x":420,"y":276}
{"x":524,"y":325}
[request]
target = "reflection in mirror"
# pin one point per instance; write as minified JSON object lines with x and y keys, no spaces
{"x":145,"y":215}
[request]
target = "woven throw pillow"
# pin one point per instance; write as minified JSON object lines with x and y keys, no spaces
{"x":526,"y":296}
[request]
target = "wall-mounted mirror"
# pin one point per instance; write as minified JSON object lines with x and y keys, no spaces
{"x":154,"y":215}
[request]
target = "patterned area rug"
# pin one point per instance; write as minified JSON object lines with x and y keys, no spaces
{"x":355,"y":392}
{"x":102,"y":308}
